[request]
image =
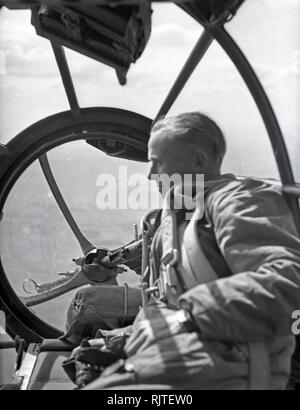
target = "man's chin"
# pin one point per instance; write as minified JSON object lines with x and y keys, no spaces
{"x":160,"y":187}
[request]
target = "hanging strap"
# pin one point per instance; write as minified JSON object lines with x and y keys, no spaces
{"x":171,"y":283}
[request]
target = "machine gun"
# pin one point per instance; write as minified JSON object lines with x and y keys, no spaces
{"x":96,"y":267}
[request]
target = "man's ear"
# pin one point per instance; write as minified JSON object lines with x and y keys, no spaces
{"x":198,"y":161}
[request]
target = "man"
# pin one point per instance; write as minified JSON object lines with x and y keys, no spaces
{"x":227,"y":324}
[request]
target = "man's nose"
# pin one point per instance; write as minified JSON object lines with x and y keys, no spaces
{"x":151,"y":172}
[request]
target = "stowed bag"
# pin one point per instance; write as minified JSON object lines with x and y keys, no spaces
{"x":104,"y":307}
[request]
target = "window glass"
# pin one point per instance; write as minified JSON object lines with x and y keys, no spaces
{"x":35,"y":240}
{"x":217,"y":89}
{"x":269,"y":33}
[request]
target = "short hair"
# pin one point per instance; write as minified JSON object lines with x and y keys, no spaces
{"x":201,"y":125}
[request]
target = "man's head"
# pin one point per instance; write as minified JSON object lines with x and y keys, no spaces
{"x":188,"y":143}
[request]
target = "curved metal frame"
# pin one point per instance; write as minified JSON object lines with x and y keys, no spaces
{"x":268,"y":115}
{"x":20,"y":320}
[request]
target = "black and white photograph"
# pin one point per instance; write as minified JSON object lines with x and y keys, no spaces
{"x":149,"y":197}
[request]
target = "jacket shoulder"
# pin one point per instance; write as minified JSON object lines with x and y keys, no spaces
{"x":247,"y":196}
{"x":247,"y":187}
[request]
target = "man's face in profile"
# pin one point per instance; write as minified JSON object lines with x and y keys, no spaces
{"x":169,"y":155}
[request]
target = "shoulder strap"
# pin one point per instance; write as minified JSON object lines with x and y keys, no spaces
{"x":194,"y":261}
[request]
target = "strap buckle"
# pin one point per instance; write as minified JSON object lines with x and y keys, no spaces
{"x":169,"y":261}
{"x":171,"y":258}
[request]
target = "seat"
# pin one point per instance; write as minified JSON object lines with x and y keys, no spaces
{"x":7,"y":359}
{"x":48,"y":373}
{"x":41,"y":367}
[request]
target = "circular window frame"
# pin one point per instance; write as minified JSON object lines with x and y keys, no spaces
{"x":126,"y":126}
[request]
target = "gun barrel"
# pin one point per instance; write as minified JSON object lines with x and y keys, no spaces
{"x":123,"y":255}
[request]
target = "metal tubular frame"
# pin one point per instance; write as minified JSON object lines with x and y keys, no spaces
{"x":266,"y":110}
{"x":292,"y":190}
{"x":261,"y":100}
{"x":7,"y":344}
{"x":66,"y":77}
{"x":85,"y":245}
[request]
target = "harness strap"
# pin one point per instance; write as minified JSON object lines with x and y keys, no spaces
{"x":195,"y":262}
{"x":170,"y":283}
